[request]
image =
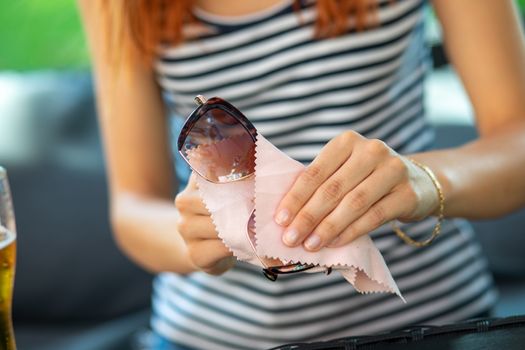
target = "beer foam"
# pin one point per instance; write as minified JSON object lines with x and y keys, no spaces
{"x":6,"y":237}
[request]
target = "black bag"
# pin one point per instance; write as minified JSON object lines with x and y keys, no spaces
{"x":488,"y":333}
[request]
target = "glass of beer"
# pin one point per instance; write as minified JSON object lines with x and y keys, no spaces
{"x":7,"y":263}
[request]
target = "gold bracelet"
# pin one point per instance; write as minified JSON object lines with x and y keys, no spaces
{"x":437,"y":228}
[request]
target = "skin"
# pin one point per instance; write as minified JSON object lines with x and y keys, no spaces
{"x":354,"y":185}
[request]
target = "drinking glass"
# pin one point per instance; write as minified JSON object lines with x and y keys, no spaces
{"x":7,"y":263}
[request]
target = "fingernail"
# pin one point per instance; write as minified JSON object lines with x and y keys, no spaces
{"x":334,"y":242}
{"x":290,"y":236}
{"x":282,"y":217}
{"x":313,"y":242}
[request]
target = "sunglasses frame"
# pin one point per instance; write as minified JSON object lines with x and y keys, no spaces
{"x":270,"y":272}
{"x":273,"y":272}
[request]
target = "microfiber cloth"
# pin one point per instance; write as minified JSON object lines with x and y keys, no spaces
{"x":231,"y":205}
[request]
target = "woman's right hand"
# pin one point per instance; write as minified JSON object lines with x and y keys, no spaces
{"x":205,"y":249}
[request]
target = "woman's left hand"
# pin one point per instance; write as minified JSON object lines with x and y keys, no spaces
{"x":351,"y":188}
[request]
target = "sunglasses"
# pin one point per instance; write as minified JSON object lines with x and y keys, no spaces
{"x":218,"y":143}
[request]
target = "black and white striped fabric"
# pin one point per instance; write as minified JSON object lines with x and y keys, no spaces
{"x":301,"y":92}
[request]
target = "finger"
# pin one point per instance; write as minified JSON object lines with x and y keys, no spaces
{"x":192,"y":182}
{"x":327,"y":197}
{"x":331,"y":157}
{"x":222,"y":266}
{"x":385,"y":210}
{"x":187,"y":202}
{"x":197,"y":228}
{"x":359,"y":200}
{"x":198,"y":206}
{"x":206,"y":254}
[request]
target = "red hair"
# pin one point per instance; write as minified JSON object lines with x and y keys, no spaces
{"x":143,"y":24}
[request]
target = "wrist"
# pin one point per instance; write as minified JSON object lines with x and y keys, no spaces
{"x":443,"y":178}
{"x":434,"y":190}
{"x":426,"y":205}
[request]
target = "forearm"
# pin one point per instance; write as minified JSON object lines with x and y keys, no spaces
{"x":146,"y":231}
{"x":485,"y":178}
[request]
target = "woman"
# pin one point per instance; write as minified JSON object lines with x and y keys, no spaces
{"x":324,"y":82}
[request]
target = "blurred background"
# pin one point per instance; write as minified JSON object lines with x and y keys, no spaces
{"x":74,"y":289}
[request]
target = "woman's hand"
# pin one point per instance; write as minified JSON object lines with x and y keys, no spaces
{"x":205,"y":248}
{"x":351,"y":188}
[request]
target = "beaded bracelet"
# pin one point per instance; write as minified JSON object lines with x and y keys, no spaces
{"x":437,"y":228}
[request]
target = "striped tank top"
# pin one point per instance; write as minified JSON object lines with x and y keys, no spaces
{"x":300,"y":92}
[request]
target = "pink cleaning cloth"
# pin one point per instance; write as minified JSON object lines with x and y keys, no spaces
{"x":231,"y":204}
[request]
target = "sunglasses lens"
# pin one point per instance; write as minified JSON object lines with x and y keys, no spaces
{"x":219,"y":148}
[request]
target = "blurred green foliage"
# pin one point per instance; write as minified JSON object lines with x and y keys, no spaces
{"x":38,"y":34}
